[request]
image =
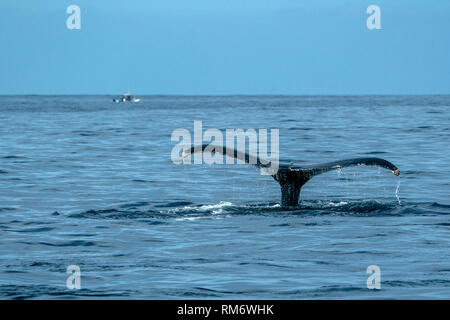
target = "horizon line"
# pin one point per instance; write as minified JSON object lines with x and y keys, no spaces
{"x":226,"y":95}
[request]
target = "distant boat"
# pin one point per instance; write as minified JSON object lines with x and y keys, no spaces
{"x":126,"y":98}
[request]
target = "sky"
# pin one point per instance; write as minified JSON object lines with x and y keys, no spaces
{"x":202,"y":47}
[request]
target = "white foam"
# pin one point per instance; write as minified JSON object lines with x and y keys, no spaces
{"x":187,"y":218}
{"x":338,"y":204}
{"x":220,"y":205}
{"x":215,"y":208}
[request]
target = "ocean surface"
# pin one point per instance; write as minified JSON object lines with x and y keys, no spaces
{"x":87,"y":182}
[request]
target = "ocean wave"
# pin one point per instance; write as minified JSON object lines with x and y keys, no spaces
{"x":19,"y":292}
{"x":188,"y":211}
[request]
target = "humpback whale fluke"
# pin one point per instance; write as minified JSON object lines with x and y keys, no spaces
{"x":291,"y":177}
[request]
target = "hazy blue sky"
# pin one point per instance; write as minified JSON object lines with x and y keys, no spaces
{"x":225,"y":47}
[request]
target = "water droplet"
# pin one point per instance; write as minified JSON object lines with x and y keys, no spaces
{"x":396,"y":192}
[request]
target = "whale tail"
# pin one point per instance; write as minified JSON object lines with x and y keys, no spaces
{"x":292,"y":178}
{"x":291,"y":183}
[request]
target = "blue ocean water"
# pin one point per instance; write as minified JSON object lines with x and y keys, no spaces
{"x":87,"y":182}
